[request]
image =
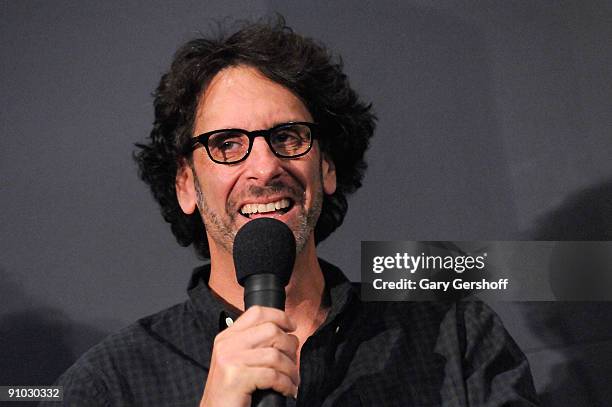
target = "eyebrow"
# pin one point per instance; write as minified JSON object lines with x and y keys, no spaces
{"x":275,"y":124}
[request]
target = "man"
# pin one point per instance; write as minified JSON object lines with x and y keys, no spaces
{"x":263,"y":123}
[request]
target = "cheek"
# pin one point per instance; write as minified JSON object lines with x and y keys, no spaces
{"x":216,"y":185}
{"x":308,"y":175}
{"x":224,"y":187}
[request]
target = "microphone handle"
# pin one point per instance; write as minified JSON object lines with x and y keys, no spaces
{"x":268,"y":398}
{"x":265,"y":290}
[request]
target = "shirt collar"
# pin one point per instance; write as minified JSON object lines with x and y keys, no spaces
{"x":213,"y":311}
{"x":207,"y":305}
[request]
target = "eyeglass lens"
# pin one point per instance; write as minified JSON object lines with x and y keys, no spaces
{"x":286,"y":141}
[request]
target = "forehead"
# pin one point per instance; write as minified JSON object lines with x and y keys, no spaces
{"x":243,"y":97}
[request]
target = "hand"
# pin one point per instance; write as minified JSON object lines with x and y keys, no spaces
{"x":256,"y":352}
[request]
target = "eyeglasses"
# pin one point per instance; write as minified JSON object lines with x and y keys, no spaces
{"x":230,"y":146}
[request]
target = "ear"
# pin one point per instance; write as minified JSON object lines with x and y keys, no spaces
{"x":328,"y":173}
{"x":185,"y":188}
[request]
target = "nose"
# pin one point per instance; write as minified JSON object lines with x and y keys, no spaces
{"x":261,"y":164}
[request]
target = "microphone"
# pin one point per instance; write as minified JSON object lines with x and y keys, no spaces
{"x":264,"y":255}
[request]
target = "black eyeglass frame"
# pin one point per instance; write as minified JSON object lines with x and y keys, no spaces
{"x":202,"y":139}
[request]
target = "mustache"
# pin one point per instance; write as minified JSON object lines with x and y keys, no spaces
{"x":273,"y":188}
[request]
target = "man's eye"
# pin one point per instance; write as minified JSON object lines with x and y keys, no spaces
{"x":229,"y":145}
{"x":228,"y":142}
{"x":287,"y":137}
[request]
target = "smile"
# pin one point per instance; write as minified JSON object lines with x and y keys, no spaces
{"x":282,"y":206}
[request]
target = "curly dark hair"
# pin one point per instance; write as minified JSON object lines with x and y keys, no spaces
{"x":301,"y":65}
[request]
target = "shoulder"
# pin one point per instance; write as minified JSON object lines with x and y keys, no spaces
{"x":409,"y":313}
{"x":472,"y":313}
{"x":459,"y":349}
{"x":97,"y":377}
{"x":468,"y":328}
{"x":137,"y":338}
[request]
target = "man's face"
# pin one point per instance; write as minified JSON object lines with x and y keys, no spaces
{"x":241,"y":97}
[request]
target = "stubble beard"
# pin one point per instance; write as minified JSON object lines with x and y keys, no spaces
{"x":223,"y":229}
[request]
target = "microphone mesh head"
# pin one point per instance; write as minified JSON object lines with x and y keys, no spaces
{"x":264,"y":245}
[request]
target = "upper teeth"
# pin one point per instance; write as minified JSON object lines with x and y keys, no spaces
{"x":264,"y":207}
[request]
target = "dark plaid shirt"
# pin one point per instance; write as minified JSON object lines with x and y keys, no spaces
{"x":365,"y":354}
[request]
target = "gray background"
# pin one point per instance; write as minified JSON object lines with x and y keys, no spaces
{"x":495,"y":122}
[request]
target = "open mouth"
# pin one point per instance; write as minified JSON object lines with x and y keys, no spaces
{"x":279,"y":207}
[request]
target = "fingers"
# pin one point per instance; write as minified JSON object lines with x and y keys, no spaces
{"x":249,"y":370}
{"x":273,"y":359}
{"x":263,"y":327}
{"x":269,"y":334}
{"x":257,"y":314}
{"x":266,"y":378}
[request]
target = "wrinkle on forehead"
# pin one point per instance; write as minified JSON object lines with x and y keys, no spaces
{"x":242,"y":97}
